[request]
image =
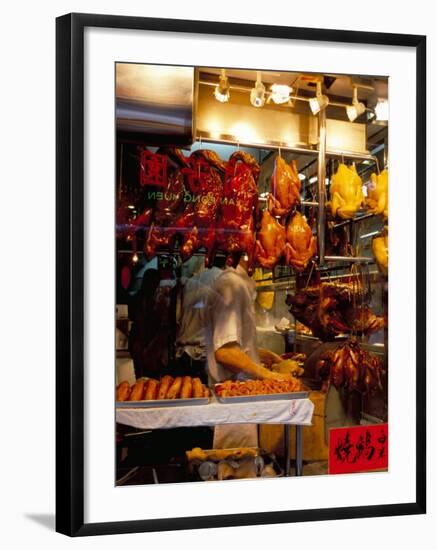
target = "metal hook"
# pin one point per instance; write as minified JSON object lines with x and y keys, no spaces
{"x":313,"y":263}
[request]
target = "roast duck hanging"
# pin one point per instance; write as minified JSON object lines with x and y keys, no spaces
{"x":352,"y":367}
{"x":285,"y":188}
{"x":161,"y":174}
{"x":377,"y":194}
{"x":195,"y":225}
{"x":235,"y":230}
{"x":346,"y":192}
{"x":332,"y":308}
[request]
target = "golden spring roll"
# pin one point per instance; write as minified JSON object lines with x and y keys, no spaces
{"x":175,"y":388}
{"x":137,"y":391}
{"x":123,"y":391}
{"x":166,"y":382}
{"x":187,"y":387}
{"x":151,"y":390}
{"x":197,"y":387}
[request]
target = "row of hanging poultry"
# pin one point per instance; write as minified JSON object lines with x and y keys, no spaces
{"x":202,"y":202}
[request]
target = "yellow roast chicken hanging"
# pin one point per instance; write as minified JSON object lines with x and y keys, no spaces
{"x":377,"y":198}
{"x":380,"y":251}
{"x":346,"y":192}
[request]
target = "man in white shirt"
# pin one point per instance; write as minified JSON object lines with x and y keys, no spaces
{"x":231,"y":345}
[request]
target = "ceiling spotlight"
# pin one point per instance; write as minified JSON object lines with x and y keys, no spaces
{"x":258,"y":93}
{"x":302,"y":176}
{"x":313,"y":179}
{"x":381,"y":110}
{"x":357,"y":108}
{"x":280,"y":93}
{"x":221,"y":91}
{"x":320,"y":101}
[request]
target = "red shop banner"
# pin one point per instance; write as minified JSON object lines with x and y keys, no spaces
{"x":358,"y":449}
{"x":153,"y":169}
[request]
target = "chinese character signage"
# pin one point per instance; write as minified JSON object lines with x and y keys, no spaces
{"x":358,"y":449}
{"x":153,"y":169}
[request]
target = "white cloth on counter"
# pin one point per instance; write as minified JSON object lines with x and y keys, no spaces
{"x":287,"y":411}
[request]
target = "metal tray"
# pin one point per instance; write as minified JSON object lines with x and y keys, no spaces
{"x":262,"y":397}
{"x":156,"y":403}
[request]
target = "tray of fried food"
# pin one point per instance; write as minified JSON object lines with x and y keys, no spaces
{"x":166,"y":392}
{"x":234,"y":391}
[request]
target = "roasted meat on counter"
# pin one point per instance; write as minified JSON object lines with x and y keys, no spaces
{"x":285,"y":188}
{"x":270,"y":243}
{"x":346,"y":192}
{"x":239,"y":205}
{"x":301,"y":244}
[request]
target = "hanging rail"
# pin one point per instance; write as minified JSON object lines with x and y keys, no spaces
{"x":229,"y":140}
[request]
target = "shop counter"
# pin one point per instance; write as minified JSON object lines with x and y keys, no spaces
{"x":296,"y":412}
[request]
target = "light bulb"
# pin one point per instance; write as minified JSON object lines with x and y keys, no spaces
{"x":221,"y":91}
{"x":135,"y":258}
{"x":381,"y":110}
{"x":280,"y":93}
{"x":258,"y":93}
{"x":320,"y":101}
{"x":356,"y":109}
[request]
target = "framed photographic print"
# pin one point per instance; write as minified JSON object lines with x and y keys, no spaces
{"x":240,"y":274}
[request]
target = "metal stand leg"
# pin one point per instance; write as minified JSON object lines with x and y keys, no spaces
{"x":298,"y":450}
{"x":287,"y":451}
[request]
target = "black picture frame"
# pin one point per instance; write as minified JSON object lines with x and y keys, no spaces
{"x":70,"y":273}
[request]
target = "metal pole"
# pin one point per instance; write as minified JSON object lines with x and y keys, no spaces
{"x":349,"y":259}
{"x":299,"y":450}
{"x":227,"y":140}
{"x":321,"y":175}
{"x":287,"y":449}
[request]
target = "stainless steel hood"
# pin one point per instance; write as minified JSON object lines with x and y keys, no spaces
{"x":155,"y":104}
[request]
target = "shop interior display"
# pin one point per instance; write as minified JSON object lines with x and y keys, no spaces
{"x":304,"y":210}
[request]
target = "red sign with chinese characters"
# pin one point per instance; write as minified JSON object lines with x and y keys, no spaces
{"x":358,"y":449}
{"x":153,"y":169}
